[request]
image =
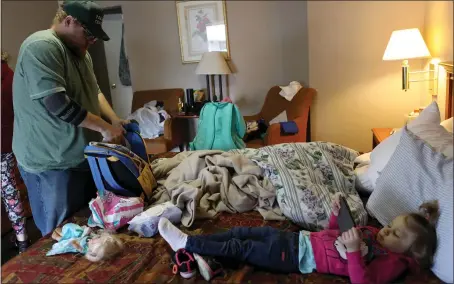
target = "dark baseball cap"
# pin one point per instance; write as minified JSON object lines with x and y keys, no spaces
{"x":88,"y":14}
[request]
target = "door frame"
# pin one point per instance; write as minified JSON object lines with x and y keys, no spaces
{"x":112,"y":10}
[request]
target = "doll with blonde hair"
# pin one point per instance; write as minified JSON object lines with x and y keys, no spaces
{"x":81,"y":239}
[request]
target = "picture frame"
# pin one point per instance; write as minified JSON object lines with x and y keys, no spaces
{"x":202,"y":27}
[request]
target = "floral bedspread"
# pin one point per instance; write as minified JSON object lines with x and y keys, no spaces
{"x":306,"y":176}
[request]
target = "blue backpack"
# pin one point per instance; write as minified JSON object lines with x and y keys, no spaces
{"x":124,"y":171}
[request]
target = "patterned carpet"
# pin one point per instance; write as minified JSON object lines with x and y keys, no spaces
{"x":147,"y":260}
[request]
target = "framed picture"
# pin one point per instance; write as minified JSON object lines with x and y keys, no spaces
{"x":202,"y":26}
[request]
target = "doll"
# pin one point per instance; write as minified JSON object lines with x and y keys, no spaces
{"x":81,"y":239}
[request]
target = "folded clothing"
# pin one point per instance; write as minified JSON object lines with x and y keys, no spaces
{"x":146,"y":223}
{"x":289,"y":128}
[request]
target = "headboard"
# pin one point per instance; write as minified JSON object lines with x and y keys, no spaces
{"x":168,"y":96}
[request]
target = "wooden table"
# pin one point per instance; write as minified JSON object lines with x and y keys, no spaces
{"x":380,"y":134}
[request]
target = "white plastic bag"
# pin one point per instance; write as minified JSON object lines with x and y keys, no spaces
{"x":148,"y":119}
{"x":146,"y":223}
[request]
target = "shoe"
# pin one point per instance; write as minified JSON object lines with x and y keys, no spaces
{"x":184,"y":263}
{"x":208,"y":266}
{"x":23,"y":245}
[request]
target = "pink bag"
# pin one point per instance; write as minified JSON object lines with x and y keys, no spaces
{"x":112,"y":212}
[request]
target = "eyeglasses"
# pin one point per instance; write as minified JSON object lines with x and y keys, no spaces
{"x":88,"y":35}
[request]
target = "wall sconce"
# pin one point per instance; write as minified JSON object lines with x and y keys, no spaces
{"x":408,"y":44}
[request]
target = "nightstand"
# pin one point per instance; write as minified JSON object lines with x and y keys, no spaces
{"x":380,"y":134}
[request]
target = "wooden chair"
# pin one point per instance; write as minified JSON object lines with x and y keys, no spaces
{"x":172,"y":131}
{"x":298,"y":110}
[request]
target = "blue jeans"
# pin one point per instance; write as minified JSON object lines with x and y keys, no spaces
{"x":263,"y":247}
{"x":57,"y":194}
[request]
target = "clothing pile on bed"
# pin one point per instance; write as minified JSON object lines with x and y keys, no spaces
{"x":295,"y":181}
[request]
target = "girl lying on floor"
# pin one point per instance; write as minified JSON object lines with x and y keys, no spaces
{"x":365,"y":254}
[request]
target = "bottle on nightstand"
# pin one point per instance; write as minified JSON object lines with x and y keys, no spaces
{"x":180,"y":105}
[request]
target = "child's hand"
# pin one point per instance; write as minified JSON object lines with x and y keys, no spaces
{"x":352,"y":240}
{"x":335,"y":204}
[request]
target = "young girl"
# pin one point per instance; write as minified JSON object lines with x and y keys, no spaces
{"x":10,"y":192}
{"x":365,"y":254}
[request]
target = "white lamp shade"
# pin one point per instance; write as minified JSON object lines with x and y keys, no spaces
{"x":406,"y":44}
{"x":213,"y":63}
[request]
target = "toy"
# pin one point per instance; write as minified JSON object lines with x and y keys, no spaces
{"x":81,"y":239}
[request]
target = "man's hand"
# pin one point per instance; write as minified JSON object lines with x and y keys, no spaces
{"x":113,"y":134}
{"x":119,"y":122}
{"x":352,"y":240}
{"x":335,"y":204}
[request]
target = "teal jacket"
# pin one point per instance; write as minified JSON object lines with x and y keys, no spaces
{"x":221,"y":127}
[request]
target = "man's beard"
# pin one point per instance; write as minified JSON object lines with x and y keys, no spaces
{"x":76,"y":49}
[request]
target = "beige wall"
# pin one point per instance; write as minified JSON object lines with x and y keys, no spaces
{"x":358,"y":91}
{"x":439,"y":38}
{"x":22,"y":18}
{"x":438,"y":32}
{"x":268,"y":42}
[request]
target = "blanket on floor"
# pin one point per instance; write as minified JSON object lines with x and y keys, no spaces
{"x":204,"y":183}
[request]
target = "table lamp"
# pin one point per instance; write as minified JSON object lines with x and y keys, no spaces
{"x":213,"y":63}
{"x":404,"y":45}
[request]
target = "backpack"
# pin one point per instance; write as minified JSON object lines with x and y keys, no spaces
{"x":124,"y":171}
{"x":221,"y":127}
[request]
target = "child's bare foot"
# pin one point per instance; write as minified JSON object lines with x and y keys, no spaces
{"x":56,"y":235}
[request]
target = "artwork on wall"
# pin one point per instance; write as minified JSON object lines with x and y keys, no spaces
{"x":202,"y":26}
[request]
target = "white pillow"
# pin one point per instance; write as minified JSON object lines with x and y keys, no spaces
{"x":426,"y":126}
{"x":363,"y":181}
{"x":363,"y":159}
{"x":447,"y":124}
{"x":416,"y":174}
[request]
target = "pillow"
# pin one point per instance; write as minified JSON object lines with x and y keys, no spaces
{"x":426,"y":126}
{"x":447,"y":124}
{"x":363,"y":181}
{"x":363,"y":159}
{"x":415,"y":174}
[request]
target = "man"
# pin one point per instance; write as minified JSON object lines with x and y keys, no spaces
{"x":58,"y":107}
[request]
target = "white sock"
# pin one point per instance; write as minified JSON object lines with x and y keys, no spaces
{"x":176,"y":238}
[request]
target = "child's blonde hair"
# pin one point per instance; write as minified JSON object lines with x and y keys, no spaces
{"x":423,"y":224}
{"x":106,"y":247}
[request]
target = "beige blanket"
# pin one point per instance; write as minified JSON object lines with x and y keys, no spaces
{"x":203,"y":183}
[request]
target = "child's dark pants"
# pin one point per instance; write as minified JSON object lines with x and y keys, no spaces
{"x":264,"y":247}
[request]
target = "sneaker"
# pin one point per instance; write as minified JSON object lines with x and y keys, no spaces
{"x":184,"y":263}
{"x":22,"y":245}
{"x":208,"y":266}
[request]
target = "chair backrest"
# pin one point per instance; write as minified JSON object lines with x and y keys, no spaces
{"x":275,"y":104}
{"x":168,"y":96}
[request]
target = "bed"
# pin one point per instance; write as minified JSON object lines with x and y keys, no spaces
{"x":147,"y":260}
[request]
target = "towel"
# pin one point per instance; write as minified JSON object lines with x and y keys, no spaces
{"x":288,"y":92}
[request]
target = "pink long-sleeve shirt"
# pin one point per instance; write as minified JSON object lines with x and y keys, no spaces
{"x":372,"y":264}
